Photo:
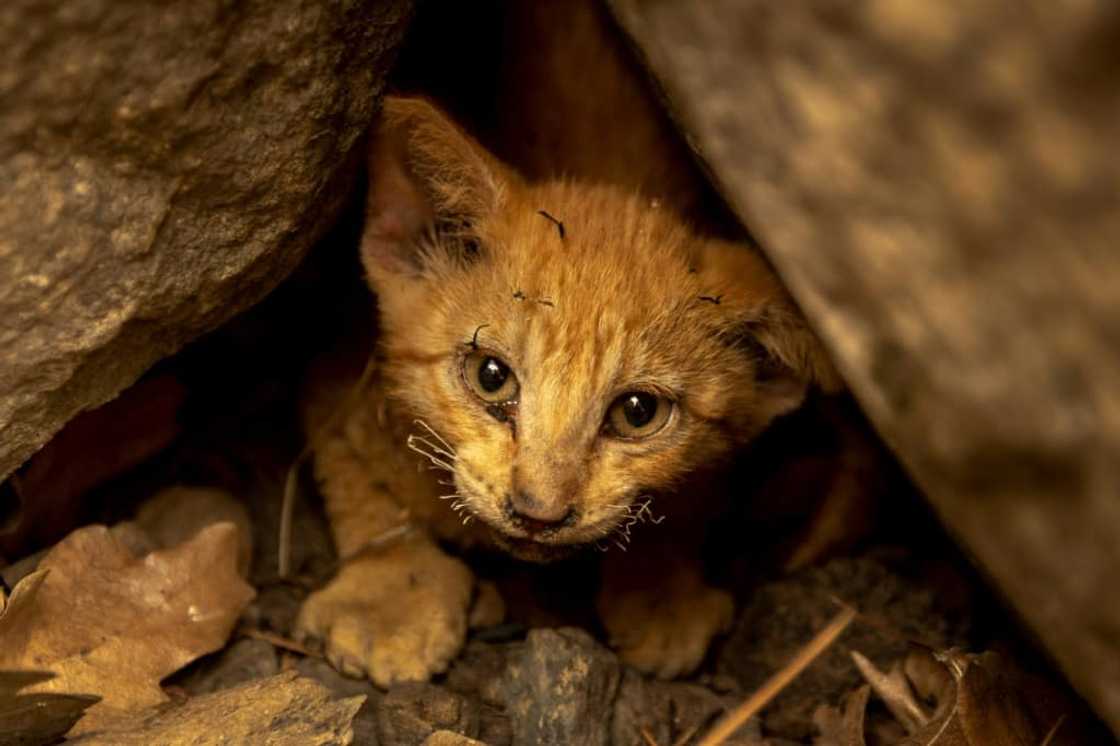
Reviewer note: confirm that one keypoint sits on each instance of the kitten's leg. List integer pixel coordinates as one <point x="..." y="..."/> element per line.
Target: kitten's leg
<point x="659" y="613"/>
<point x="393" y="613"/>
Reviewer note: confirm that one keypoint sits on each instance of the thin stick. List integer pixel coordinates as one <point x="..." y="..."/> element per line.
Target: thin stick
<point x="732" y="721"/>
<point x="648" y="737"/>
<point x="687" y="736"/>
<point x="277" y="641"/>
<point x="1053" y="731"/>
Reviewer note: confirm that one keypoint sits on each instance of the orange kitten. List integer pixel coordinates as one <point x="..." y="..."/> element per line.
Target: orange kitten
<point x="572" y="360"/>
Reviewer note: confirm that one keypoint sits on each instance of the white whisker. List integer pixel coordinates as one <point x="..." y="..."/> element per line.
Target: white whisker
<point x="446" y="446"/>
<point x="434" y="448"/>
<point x="437" y="462"/>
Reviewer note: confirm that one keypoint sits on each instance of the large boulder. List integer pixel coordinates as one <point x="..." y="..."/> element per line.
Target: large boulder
<point x="162" y="166"/>
<point x="937" y="183"/>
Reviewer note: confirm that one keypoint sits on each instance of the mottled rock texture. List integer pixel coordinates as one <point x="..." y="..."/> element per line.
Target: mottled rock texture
<point x="162" y="167"/>
<point x="561" y="689"/>
<point x="937" y="183"/>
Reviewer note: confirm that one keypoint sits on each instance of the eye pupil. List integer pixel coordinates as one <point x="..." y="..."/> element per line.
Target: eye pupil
<point x="639" y="408"/>
<point x="492" y="374"/>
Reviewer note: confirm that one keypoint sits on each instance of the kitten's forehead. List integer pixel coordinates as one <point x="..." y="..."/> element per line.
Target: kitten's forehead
<point x="592" y="304"/>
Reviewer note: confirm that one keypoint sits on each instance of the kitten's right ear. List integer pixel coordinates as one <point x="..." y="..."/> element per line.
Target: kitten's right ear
<point x="425" y="174"/>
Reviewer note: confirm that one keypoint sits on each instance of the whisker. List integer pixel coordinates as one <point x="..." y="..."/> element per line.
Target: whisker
<point x="447" y="446"/>
<point x="437" y="462"/>
<point x="435" y="448"/>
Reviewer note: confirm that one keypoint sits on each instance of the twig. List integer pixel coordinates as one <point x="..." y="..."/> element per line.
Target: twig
<point x="687" y="736"/>
<point x="1053" y="731"/>
<point x="648" y="737"/>
<point x="277" y="641"/>
<point x="731" y="722"/>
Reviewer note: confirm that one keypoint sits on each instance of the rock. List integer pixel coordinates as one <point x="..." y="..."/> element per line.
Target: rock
<point x="666" y="710"/>
<point x="936" y="183"/>
<point x="365" y="721"/>
<point x="561" y="689"/>
<point x="410" y="713"/>
<point x="162" y="167"/>
<point x="240" y="662"/>
<point x="283" y="710"/>
<point x="450" y="738"/>
<point x="477" y="672"/>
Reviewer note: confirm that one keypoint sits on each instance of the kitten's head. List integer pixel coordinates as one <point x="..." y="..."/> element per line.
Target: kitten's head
<point x="577" y="347"/>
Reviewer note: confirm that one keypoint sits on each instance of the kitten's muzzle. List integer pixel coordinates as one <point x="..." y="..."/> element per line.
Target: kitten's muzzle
<point x="536" y="517"/>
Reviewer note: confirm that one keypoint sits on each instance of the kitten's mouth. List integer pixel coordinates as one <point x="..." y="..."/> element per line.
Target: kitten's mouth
<point x="532" y="550"/>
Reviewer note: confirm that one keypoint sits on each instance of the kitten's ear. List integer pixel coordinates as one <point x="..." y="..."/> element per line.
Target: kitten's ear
<point x="424" y="174"/>
<point x="789" y="358"/>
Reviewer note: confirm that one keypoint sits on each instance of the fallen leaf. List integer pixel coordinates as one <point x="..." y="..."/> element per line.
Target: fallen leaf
<point x="988" y="709"/>
<point x="32" y="719"/>
<point x="843" y="726"/>
<point x="981" y="700"/>
<point x="894" y="689"/>
<point x="111" y="624"/>
<point x="278" y="710"/>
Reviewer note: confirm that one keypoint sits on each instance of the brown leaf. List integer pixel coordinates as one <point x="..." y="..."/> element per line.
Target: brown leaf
<point x="279" y="710"/>
<point x="989" y="706"/>
<point x="894" y="689"/>
<point x="31" y="719"/>
<point x="843" y="727"/>
<point x="111" y="624"/>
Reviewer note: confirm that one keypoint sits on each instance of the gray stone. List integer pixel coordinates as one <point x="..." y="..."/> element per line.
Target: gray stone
<point x="937" y="184"/>
<point x="410" y="713"/>
<point x="667" y="711"/>
<point x="162" y="167"/>
<point x="561" y="689"/>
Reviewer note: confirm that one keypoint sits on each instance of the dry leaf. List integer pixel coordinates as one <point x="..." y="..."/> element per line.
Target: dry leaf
<point x="176" y="514"/>
<point x="985" y="710"/>
<point x="843" y="727"/>
<point x="111" y="624"/>
<point x="32" y="719"/>
<point x="279" y="710"/>
<point x="981" y="701"/>
<point x="894" y="689"/>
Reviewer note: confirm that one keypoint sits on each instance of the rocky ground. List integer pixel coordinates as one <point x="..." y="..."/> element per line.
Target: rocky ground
<point x="541" y="676"/>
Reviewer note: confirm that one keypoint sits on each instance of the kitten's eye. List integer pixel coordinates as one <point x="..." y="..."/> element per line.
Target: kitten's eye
<point x="489" y="378"/>
<point x="638" y="414"/>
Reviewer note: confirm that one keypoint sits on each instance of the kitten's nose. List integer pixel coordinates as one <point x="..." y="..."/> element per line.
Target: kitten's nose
<point x="534" y="515"/>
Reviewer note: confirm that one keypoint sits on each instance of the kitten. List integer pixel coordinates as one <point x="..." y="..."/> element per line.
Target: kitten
<point x="574" y="361"/>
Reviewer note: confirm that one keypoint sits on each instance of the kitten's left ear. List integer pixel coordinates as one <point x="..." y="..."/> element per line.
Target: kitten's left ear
<point x="424" y="173"/>
<point x="789" y="359"/>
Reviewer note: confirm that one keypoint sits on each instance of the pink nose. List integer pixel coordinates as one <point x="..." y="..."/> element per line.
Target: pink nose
<point x="534" y="515"/>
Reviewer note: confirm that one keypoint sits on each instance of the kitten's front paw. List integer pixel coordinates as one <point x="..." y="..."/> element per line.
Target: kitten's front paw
<point x="400" y="615"/>
<point x="666" y="633"/>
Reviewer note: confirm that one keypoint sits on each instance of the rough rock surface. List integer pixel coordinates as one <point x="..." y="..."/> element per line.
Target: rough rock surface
<point x="937" y="184"/>
<point x="410" y="713"/>
<point x="561" y="689"/>
<point x="162" y="167"/>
